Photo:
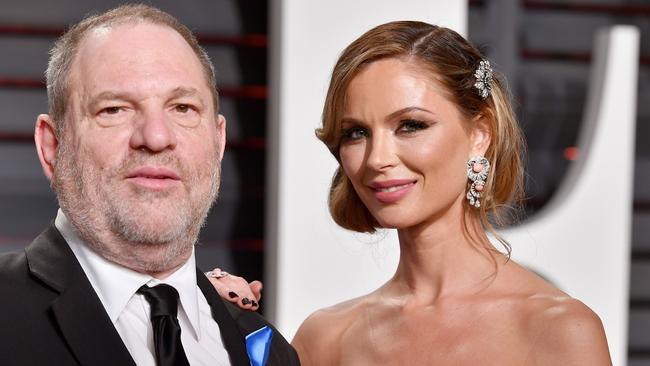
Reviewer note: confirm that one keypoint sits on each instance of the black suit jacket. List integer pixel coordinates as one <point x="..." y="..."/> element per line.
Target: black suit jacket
<point x="51" y="315"/>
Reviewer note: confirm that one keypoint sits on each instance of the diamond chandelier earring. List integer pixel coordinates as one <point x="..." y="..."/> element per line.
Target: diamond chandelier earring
<point x="478" y="168"/>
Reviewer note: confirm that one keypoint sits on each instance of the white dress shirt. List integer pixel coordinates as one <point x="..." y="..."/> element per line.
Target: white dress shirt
<point x="129" y="311"/>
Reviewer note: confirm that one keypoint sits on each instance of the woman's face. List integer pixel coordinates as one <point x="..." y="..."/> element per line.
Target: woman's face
<point x="404" y="145"/>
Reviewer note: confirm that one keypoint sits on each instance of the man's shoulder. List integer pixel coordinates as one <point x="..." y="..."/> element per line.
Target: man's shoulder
<point x="282" y="353"/>
<point x="17" y="282"/>
<point x="22" y="271"/>
<point x="12" y="264"/>
<point x="248" y="321"/>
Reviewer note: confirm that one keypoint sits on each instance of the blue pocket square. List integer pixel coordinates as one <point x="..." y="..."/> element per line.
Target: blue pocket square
<point x="258" y="345"/>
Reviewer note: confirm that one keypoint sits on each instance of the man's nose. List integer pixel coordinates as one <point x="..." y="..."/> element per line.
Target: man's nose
<point x="381" y="152"/>
<point x="153" y="131"/>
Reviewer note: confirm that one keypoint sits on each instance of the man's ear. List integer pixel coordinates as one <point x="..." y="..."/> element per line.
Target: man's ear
<point x="221" y="134"/>
<point x="481" y="135"/>
<point x="46" y="144"/>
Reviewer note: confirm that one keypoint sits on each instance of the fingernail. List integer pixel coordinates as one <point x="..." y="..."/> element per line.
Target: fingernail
<point x="245" y="301"/>
<point x="254" y="303"/>
<point x="232" y="294"/>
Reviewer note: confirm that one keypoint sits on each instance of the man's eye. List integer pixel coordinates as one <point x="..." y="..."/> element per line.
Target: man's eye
<point x="183" y="108"/>
<point x="412" y="125"/>
<point x="111" y="110"/>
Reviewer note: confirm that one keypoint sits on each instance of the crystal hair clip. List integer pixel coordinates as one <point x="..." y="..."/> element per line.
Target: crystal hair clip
<point x="483" y="75"/>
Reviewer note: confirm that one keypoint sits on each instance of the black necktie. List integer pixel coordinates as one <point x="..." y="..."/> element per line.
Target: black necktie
<point x="166" y="330"/>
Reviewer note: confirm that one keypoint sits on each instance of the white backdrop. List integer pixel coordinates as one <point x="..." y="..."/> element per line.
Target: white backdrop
<point x="312" y="263"/>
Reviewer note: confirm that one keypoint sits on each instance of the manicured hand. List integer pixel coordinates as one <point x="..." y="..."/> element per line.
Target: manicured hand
<point x="236" y="289"/>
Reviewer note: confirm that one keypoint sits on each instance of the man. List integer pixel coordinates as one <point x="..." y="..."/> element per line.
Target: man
<point x="132" y="146"/>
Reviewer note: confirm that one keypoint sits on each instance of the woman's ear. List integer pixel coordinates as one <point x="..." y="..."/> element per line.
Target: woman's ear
<point x="46" y="144"/>
<point x="481" y="135"/>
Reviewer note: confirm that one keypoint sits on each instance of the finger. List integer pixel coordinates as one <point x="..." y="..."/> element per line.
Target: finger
<point x="233" y="296"/>
<point x="236" y="289"/>
<point x="249" y="304"/>
<point x="217" y="273"/>
<point x="224" y="290"/>
<point x="239" y="285"/>
<point x="234" y="284"/>
<point x="256" y="288"/>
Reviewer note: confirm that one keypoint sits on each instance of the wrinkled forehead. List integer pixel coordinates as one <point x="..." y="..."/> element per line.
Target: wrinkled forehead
<point x="134" y="42"/>
<point x="135" y="55"/>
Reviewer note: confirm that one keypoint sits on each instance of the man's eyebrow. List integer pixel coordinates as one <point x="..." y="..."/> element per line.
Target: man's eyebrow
<point x="178" y="92"/>
<point x="184" y="92"/>
<point x="187" y="92"/>
<point x="107" y="95"/>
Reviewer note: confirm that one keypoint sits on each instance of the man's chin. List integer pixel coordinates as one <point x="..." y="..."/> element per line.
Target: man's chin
<point x="152" y="233"/>
<point x="153" y="225"/>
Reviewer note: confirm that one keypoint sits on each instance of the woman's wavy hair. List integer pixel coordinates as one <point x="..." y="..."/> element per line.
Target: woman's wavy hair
<point x="452" y="61"/>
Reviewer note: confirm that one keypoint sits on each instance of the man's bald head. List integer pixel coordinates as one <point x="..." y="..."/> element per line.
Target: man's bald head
<point x="63" y="54"/>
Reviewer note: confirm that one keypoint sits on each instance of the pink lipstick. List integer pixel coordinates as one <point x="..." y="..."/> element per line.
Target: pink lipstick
<point x="391" y="191"/>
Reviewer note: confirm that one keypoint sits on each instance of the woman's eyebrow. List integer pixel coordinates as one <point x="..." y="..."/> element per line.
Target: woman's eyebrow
<point x="407" y="110"/>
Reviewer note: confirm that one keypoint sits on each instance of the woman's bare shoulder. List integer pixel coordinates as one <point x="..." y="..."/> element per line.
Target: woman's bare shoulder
<point x="560" y="329"/>
<point x="318" y="337"/>
<point x="565" y="331"/>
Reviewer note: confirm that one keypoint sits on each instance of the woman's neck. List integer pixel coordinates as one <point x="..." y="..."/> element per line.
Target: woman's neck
<point x="442" y="258"/>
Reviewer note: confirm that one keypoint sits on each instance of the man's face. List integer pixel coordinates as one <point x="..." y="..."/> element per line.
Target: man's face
<point x="138" y="167"/>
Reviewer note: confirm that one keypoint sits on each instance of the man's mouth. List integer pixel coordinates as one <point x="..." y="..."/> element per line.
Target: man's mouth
<point x="156" y="178"/>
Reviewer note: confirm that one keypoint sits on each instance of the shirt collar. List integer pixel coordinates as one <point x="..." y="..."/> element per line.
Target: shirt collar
<point x="115" y="284"/>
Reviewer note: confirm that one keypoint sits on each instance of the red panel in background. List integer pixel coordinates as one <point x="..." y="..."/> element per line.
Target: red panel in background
<point x="245" y="40"/>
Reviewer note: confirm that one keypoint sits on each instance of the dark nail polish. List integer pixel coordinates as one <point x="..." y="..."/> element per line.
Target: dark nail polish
<point x="254" y="303"/>
<point x="245" y="301"/>
<point x="232" y="294"/>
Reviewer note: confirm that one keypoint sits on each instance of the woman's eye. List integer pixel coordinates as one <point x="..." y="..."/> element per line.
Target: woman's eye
<point x="354" y="133"/>
<point x="411" y="125"/>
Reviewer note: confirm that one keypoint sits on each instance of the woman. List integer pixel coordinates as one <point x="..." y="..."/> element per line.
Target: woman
<point x="428" y="144"/>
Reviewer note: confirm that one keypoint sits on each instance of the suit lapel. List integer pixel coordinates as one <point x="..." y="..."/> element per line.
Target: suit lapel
<point x="232" y="337"/>
<point x="81" y="317"/>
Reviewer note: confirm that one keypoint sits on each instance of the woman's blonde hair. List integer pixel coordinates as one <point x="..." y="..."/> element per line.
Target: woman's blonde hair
<point x="452" y="61"/>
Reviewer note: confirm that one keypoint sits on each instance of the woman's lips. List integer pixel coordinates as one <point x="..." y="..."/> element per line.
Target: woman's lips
<point x="393" y="190"/>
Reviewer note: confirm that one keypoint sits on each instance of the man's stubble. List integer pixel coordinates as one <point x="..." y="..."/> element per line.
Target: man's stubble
<point x="138" y="228"/>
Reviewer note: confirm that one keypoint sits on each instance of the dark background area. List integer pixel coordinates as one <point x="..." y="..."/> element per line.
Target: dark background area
<point x="544" y="49"/>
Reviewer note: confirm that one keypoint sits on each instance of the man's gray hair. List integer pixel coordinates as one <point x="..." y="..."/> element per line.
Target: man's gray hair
<point x="65" y="49"/>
